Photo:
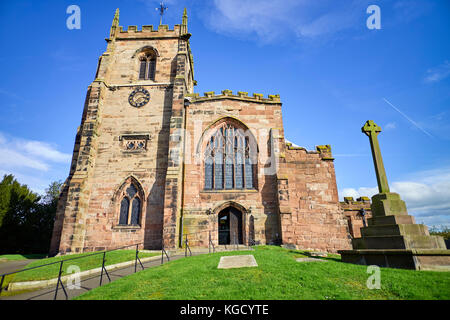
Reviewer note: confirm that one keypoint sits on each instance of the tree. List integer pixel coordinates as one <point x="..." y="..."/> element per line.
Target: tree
<point x="26" y="219"/>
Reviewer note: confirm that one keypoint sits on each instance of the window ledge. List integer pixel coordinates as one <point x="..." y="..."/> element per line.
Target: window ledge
<point x="230" y="191"/>
<point x="126" y="227"/>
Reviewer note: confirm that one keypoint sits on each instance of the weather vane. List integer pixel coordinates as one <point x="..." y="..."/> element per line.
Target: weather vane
<point x="162" y="9"/>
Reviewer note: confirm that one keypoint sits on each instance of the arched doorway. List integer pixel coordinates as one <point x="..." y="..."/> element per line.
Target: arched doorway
<point x="230" y="226"/>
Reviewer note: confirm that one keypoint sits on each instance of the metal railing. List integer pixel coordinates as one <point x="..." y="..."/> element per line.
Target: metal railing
<point x="211" y="244"/>
<point x="234" y="243"/>
<point x="103" y="270"/>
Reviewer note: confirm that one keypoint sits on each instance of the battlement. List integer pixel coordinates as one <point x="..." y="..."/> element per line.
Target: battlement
<point x="148" y="32"/>
<point x="291" y="146"/>
<point x="324" y="151"/>
<point x="350" y="200"/>
<point x="352" y="211"/>
<point x="241" y="95"/>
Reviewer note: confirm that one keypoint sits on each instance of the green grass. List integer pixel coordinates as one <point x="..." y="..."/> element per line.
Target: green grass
<point x="278" y="276"/>
<point x="13" y="257"/>
<point x="86" y="263"/>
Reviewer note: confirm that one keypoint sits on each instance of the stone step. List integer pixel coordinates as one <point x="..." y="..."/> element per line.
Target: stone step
<point x="395" y="230"/>
<point x="399" y="242"/>
<point x="389" y="220"/>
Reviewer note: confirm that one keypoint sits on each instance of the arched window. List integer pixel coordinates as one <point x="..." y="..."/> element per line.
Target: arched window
<point x="230" y="159"/>
<point x="130" y="205"/>
<point x="147" y="67"/>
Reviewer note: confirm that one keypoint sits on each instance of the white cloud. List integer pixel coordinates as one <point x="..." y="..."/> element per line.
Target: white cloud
<point x="438" y="73"/>
<point x="34" y="163"/>
<point x="13" y="159"/>
<point x="360" y="192"/>
<point x="271" y="20"/>
<point x="427" y="195"/>
<point x="390" y="126"/>
<point x="17" y="152"/>
<point x="46" y="151"/>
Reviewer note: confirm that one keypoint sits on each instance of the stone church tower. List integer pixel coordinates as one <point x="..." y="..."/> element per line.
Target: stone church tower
<point x="154" y="161"/>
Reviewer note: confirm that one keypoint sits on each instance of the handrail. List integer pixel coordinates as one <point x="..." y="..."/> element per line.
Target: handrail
<point x="85" y="256"/>
<point x="59" y="282"/>
<point x="61" y="262"/>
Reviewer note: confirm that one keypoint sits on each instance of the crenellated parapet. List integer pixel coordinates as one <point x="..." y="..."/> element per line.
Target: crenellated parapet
<point x="359" y="203"/>
<point x="324" y="151"/>
<point x="352" y="211"/>
<point x="133" y="32"/>
<point x="241" y="95"/>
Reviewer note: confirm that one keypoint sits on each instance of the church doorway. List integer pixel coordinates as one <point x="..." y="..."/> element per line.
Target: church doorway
<point x="230" y="226"/>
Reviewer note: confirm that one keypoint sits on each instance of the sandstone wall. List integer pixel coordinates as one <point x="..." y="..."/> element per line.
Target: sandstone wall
<point x="352" y="213"/>
<point x="311" y="218"/>
<point x="88" y="212"/>
<point x="259" y="206"/>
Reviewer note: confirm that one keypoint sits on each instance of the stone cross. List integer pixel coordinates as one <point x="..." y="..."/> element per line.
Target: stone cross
<point x="372" y="130"/>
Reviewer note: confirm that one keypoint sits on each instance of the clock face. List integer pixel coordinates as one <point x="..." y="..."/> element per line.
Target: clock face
<point x="139" y="97"/>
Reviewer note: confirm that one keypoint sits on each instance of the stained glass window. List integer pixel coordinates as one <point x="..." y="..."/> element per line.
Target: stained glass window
<point x="124" y="207"/>
<point x="135" y="209"/>
<point x="130" y="214"/>
<point x="230" y="159"/>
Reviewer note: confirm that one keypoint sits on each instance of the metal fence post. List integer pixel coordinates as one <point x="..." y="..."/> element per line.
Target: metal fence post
<point x="104" y="269"/>
<point x="135" y="259"/>
<point x="59" y="281"/>
<point x="185" y="245"/>
<point x="1" y="284"/>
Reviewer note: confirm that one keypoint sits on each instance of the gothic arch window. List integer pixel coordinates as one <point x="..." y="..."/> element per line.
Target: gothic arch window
<point x="130" y="198"/>
<point x="230" y="158"/>
<point x="147" y="65"/>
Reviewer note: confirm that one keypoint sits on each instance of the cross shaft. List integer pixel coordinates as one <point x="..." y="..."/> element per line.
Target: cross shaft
<point x="371" y="129"/>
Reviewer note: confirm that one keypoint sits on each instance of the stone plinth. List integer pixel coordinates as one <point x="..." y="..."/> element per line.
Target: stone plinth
<point x="392" y="239"/>
<point x="418" y="259"/>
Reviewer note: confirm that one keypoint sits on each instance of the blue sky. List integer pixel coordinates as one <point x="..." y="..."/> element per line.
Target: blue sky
<point x="331" y="71"/>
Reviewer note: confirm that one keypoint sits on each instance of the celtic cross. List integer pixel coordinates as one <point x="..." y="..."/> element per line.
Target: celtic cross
<point x="371" y="129"/>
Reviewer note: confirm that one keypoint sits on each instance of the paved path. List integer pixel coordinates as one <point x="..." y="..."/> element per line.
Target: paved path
<point x="11" y="266"/>
<point x="94" y="280"/>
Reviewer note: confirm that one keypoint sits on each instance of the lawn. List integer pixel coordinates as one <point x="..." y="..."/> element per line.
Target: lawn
<point x="88" y="262"/>
<point x="278" y="276"/>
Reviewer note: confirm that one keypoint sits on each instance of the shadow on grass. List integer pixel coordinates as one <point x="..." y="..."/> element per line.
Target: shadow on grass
<point x="312" y="254"/>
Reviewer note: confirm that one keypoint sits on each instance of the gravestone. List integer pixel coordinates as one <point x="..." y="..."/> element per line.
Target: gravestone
<point x="241" y="261"/>
<point x="392" y="238"/>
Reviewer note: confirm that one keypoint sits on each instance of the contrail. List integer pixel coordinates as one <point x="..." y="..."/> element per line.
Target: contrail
<point x="409" y="119"/>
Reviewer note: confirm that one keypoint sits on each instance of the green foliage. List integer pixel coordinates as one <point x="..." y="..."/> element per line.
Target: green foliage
<point x="442" y="231"/>
<point x="26" y="219"/>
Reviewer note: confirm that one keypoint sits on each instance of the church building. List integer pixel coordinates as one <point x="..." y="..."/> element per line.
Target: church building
<point x="154" y="161"/>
